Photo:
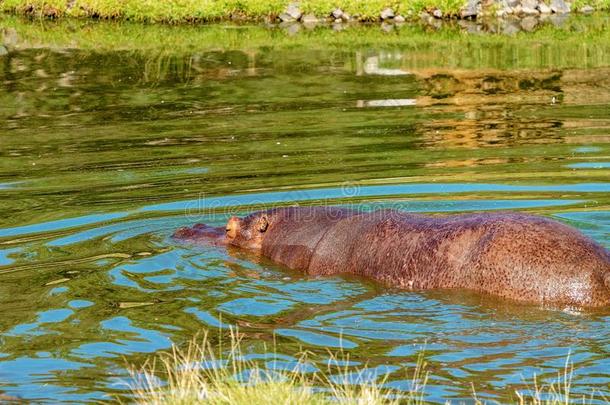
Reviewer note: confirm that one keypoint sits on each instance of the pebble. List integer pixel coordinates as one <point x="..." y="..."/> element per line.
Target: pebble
<point x="470" y="11"/>
<point x="544" y="9"/>
<point x="399" y="19"/>
<point x="529" y="11"/>
<point x="437" y="13"/>
<point x="337" y="13"/>
<point x="529" y="4"/>
<point x="387" y="14"/>
<point x="285" y="17"/>
<point x="294" y="11"/>
<point x="309" y="19"/>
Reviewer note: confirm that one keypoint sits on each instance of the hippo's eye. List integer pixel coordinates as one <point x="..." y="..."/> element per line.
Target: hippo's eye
<point x="263" y="224"/>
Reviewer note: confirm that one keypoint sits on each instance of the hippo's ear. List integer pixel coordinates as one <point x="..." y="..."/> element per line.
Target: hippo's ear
<point x="263" y="223"/>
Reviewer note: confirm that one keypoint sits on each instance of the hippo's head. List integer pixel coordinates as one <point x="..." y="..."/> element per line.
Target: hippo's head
<point x="248" y="232"/>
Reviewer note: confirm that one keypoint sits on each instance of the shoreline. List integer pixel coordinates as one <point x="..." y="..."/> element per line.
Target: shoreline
<point x="312" y="12"/>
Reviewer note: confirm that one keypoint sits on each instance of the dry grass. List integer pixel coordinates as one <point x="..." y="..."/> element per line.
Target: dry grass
<point x="221" y="375"/>
<point x="204" y="374"/>
<point x="557" y="392"/>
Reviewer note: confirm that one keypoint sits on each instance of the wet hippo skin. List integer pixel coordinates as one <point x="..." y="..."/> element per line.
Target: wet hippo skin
<point x="517" y="256"/>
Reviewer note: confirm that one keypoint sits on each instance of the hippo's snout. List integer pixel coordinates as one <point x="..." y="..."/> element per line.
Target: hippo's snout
<point x="233" y="227"/>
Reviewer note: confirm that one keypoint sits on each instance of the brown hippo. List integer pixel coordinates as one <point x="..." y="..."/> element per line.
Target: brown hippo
<point x="512" y="255"/>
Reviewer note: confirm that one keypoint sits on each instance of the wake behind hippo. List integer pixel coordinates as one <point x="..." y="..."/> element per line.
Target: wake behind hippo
<point x="516" y="256"/>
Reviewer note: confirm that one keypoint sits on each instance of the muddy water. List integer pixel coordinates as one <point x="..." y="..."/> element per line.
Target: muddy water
<point x="105" y="153"/>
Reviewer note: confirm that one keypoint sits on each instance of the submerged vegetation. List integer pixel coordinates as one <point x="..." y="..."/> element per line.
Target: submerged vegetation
<point x="225" y="375"/>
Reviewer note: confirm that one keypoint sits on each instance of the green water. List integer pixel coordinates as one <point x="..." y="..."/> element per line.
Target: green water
<point x="105" y="152"/>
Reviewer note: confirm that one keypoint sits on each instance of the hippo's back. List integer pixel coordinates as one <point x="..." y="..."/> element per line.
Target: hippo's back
<point x="518" y="256"/>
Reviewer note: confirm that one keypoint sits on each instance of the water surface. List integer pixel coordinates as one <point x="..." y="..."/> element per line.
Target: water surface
<point x="104" y="153"/>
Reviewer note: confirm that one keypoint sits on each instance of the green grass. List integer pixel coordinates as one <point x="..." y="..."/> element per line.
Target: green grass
<point x="582" y="39"/>
<point x="182" y="11"/>
<point x="186" y="382"/>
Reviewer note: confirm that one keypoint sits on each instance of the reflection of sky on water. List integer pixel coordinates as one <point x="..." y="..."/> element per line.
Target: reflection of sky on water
<point x="371" y="191"/>
<point x="590" y="165"/>
<point x="206" y="288"/>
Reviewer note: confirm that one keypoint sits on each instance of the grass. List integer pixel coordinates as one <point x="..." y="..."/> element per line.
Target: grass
<point x="219" y="375"/>
<point x="184" y="11"/>
<point x="581" y="42"/>
<point x="203" y="373"/>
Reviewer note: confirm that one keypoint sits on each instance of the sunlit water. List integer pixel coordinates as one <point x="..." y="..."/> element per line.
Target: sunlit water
<point x="105" y="154"/>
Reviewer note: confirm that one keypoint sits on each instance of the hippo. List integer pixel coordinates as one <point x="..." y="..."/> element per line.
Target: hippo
<point x="512" y="255"/>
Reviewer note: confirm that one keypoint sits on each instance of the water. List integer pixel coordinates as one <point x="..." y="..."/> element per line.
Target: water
<point x="106" y="152"/>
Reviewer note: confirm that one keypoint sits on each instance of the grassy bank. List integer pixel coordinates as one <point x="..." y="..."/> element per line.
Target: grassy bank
<point x="448" y="46"/>
<point x="225" y="374"/>
<point x="184" y="11"/>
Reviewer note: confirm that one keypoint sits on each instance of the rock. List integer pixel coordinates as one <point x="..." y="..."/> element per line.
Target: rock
<point x="529" y="11"/>
<point x="3" y="50"/>
<point x="426" y="18"/>
<point x="517" y="9"/>
<point x="560" y="6"/>
<point x="285" y="18"/>
<point x="512" y="3"/>
<point x="511" y="28"/>
<point x="544" y="9"/>
<point x="309" y="19"/>
<point x="528" y="24"/>
<point x="437" y="13"/>
<point x="294" y="11"/>
<point x="470" y="11"/>
<point x="338" y="21"/>
<point x="399" y="19"/>
<point x="530" y="4"/>
<point x="387" y="14"/>
<point x="337" y="13"/>
<point x="586" y="9"/>
<point x="345" y="17"/>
